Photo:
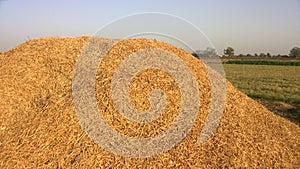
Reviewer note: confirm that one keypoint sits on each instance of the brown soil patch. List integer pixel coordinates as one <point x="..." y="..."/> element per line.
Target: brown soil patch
<point x="39" y="127"/>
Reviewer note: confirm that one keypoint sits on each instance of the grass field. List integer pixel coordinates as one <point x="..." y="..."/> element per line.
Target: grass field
<point x="271" y="85"/>
<point x="271" y="82"/>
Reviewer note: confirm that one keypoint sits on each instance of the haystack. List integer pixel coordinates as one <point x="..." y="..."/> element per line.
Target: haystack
<point x="39" y="127"/>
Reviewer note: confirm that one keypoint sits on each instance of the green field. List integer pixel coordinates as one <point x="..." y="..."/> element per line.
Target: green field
<point x="271" y="82"/>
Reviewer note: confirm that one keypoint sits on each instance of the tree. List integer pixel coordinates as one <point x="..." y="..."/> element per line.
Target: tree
<point x="229" y="51"/>
<point x="262" y="55"/>
<point x="211" y="52"/>
<point x="208" y="52"/>
<point x="295" y="52"/>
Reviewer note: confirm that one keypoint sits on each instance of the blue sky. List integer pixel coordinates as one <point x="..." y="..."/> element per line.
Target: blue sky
<point x="251" y="26"/>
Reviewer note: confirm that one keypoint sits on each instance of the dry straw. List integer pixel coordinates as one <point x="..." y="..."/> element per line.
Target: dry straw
<point x="39" y="127"/>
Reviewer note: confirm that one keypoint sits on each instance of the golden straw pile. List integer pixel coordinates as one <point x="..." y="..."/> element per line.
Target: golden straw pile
<point x="39" y="127"/>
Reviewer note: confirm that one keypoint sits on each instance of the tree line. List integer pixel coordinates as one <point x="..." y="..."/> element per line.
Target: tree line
<point x="229" y="52"/>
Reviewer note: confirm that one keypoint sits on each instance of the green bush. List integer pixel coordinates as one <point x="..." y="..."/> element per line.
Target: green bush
<point x="262" y="62"/>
